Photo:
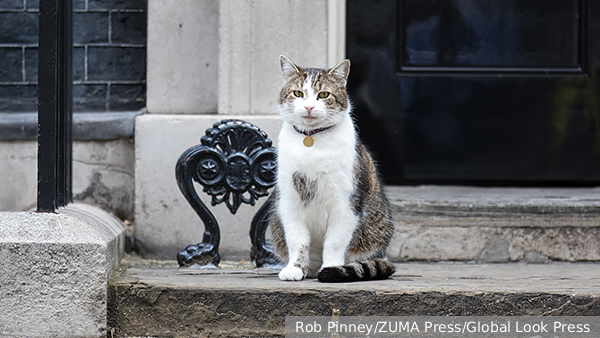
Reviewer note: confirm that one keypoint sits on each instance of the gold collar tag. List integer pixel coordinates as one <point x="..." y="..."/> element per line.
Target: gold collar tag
<point x="308" y="141"/>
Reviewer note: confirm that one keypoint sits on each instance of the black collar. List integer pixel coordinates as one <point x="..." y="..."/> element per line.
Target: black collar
<point x="312" y="132"/>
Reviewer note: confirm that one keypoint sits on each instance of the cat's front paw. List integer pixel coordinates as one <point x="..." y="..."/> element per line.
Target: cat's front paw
<point x="291" y="273"/>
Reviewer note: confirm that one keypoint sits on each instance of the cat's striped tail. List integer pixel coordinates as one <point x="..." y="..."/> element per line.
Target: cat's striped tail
<point x="357" y="271"/>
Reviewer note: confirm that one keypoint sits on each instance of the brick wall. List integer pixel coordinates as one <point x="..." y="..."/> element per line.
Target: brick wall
<point x="109" y="55"/>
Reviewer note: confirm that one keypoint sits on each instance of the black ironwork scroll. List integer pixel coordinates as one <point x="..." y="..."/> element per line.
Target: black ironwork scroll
<point x="235" y="163"/>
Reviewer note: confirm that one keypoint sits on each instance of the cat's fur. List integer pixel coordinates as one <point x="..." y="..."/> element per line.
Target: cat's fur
<point x="329" y="206"/>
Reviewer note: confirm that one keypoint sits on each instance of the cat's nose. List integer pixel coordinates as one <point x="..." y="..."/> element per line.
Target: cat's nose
<point x="309" y="109"/>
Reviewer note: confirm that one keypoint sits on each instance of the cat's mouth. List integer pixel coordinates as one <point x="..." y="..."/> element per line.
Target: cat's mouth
<point x="309" y="120"/>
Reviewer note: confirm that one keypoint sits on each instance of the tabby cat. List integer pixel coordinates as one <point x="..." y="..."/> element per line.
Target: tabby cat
<point x="331" y="218"/>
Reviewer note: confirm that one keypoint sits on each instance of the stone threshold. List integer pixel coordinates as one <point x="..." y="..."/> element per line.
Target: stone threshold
<point x="159" y="299"/>
<point x="494" y="202"/>
<point x="495" y="225"/>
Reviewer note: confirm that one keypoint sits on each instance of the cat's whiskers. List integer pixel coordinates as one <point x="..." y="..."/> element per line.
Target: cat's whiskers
<point x="273" y="110"/>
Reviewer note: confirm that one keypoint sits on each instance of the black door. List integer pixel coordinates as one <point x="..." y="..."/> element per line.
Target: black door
<point x="478" y="91"/>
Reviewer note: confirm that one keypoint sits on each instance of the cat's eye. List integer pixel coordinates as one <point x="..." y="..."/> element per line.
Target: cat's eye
<point x="323" y="95"/>
<point x="298" y="93"/>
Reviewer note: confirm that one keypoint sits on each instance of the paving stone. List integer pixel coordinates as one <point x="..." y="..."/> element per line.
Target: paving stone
<point x="155" y="298"/>
<point x="128" y="27"/>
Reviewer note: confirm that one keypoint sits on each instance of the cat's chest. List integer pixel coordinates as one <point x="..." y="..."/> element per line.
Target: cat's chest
<point x="331" y="153"/>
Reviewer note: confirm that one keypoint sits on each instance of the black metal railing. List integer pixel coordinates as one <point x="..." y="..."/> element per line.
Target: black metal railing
<point x="55" y="100"/>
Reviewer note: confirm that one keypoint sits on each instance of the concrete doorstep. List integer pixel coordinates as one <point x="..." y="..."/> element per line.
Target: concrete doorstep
<point x="159" y="299"/>
<point x="447" y="244"/>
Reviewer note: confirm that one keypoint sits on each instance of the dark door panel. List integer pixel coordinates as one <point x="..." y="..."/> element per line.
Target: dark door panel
<point x="504" y="34"/>
<point x="478" y="91"/>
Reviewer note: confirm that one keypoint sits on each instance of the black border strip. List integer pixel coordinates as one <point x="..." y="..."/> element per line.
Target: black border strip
<point x="580" y="71"/>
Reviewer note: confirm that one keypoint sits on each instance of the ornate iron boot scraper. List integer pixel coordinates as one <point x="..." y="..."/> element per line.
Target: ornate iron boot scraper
<point x="235" y="163"/>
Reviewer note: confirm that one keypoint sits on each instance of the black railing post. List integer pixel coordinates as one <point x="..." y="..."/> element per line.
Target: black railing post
<point x="55" y="99"/>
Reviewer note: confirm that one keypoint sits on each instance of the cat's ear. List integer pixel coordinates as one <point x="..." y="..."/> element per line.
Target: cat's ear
<point x="288" y="68"/>
<point x="341" y="70"/>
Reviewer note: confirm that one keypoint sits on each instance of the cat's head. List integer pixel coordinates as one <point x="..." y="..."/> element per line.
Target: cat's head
<point x="312" y="98"/>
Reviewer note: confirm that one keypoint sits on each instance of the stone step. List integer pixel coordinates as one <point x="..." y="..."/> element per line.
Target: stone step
<point x="483" y="224"/>
<point x="158" y="299"/>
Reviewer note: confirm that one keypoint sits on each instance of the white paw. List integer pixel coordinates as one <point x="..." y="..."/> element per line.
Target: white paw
<point x="291" y="273"/>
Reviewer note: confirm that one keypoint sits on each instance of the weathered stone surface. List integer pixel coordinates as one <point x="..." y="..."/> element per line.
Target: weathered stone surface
<point x="167" y="301"/>
<point x="54" y="271"/>
<point x="495" y="224"/>
<point x="104" y="126"/>
<point x="460" y="201"/>
<point x="102" y="175"/>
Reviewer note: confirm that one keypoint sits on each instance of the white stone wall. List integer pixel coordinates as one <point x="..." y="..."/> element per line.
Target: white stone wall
<point x="243" y="40"/>
<point x="183" y="50"/>
<point x="252" y="36"/>
<point x="208" y="56"/>
<point x="18" y="175"/>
